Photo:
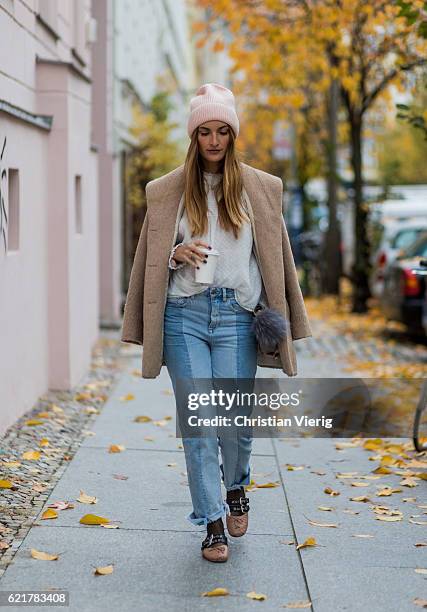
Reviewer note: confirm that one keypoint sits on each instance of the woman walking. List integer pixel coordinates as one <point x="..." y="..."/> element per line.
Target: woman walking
<point x="208" y="326"/>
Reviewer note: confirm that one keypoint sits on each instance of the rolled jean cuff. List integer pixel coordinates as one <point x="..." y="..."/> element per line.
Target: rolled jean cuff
<point x="204" y="521"/>
<point x="243" y="483"/>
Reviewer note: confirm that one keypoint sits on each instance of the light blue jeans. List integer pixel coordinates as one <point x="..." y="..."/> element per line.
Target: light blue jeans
<point x="208" y="335"/>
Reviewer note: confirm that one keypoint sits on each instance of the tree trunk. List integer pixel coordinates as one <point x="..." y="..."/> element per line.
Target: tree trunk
<point x="361" y="266"/>
<point x="332" y="271"/>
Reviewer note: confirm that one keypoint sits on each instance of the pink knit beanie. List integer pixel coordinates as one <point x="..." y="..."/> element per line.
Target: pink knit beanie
<point x="212" y="102"/>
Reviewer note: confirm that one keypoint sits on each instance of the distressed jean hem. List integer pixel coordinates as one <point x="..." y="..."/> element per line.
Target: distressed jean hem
<point x="213" y="517"/>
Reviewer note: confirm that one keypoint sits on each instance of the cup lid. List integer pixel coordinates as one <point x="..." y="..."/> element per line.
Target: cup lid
<point x="209" y="251"/>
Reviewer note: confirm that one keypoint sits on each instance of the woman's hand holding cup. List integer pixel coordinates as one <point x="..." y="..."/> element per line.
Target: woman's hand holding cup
<point x="190" y="253"/>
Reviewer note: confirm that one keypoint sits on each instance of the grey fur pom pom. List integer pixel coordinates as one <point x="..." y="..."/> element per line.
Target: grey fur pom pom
<point x="269" y="327"/>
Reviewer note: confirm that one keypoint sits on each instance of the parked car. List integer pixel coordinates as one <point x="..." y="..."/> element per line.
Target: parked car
<point x="403" y="295"/>
<point x="421" y="270"/>
<point x="394" y="237"/>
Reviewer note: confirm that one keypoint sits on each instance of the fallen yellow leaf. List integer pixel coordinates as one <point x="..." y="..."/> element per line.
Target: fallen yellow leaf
<point x="409" y="482"/>
<point x="91" y="410"/>
<point x="321" y="524"/>
<point x="382" y="470"/>
<point x="86" y="499"/>
<point x="127" y="398"/>
<point x="49" y="514"/>
<point x="81" y="397"/>
<point x="93" y="519"/>
<point x="330" y="491"/>
<point x="343" y="445"/>
<point x="61" y="505"/>
<point x="218" y="591"/>
<point x="257" y="596"/>
<point x="373" y="444"/>
<point x="6" y="484"/>
<point x="388" y="460"/>
<point x="33" y="422"/>
<point x="267" y="485"/>
<point x="308" y="542"/>
<point x="43" y="556"/>
<point x="142" y="419"/>
<point x="387" y="491"/>
<point x="31" y="455"/>
<point x="395" y="448"/>
<point x="116" y="448"/>
<point x="44" y="442"/>
<point x="103" y="571"/>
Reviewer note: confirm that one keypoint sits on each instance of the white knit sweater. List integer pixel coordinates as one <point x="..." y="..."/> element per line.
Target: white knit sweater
<point x="237" y="267"/>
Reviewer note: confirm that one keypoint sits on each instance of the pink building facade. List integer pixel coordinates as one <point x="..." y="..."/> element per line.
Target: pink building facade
<point x="49" y="260"/>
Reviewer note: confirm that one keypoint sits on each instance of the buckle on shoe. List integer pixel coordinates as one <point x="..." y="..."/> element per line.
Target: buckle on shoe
<point x="241" y="504"/>
<point x="214" y="539"/>
<point x="244" y="504"/>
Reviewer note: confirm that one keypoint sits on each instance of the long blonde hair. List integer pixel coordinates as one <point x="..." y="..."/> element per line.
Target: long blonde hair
<point x="228" y="191"/>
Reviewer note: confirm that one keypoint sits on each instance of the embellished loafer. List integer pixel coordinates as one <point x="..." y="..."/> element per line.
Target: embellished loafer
<point x="215" y="548"/>
<point x="237" y="524"/>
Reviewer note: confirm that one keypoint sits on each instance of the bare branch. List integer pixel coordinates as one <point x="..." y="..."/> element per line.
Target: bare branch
<point x="371" y="96"/>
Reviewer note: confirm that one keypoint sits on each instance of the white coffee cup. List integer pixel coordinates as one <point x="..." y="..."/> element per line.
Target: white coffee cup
<point x="206" y="272"/>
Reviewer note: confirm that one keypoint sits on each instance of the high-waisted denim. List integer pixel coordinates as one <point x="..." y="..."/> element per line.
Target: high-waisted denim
<point x="208" y="335"/>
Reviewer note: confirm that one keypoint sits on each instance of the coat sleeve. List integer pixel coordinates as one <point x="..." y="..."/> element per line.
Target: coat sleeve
<point x="132" y="328"/>
<point x="300" y="325"/>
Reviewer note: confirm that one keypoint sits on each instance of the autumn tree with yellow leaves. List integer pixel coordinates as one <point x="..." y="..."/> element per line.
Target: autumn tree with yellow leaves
<point x="288" y="50"/>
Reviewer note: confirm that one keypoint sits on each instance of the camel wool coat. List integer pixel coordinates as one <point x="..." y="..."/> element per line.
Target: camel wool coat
<point x="149" y="279"/>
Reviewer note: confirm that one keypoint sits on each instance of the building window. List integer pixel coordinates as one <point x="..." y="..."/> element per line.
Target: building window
<point x="78" y="203"/>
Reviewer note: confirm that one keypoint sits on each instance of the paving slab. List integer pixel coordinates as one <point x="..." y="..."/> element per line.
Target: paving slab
<point x="155" y="569"/>
<point x="346" y="588"/>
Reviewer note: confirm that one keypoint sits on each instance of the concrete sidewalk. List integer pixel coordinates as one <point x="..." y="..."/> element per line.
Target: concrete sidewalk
<point x="156" y="551"/>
